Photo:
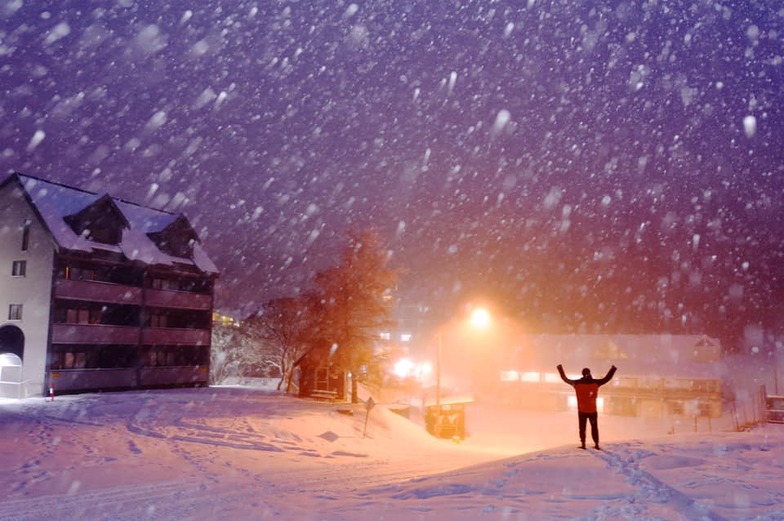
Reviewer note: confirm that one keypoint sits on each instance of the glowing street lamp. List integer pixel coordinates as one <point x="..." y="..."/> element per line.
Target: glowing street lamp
<point x="480" y="318"/>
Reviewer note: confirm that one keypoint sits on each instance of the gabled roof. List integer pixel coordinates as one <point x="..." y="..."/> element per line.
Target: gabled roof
<point x="177" y="238"/>
<point x="54" y="202"/>
<point x="103" y="213"/>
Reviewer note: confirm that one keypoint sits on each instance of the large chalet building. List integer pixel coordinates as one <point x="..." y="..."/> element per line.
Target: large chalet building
<point x="97" y="293"/>
<point x="659" y="376"/>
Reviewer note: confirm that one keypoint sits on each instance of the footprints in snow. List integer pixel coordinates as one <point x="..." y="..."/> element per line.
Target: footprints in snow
<point x="625" y="459"/>
<point x="238" y="434"/>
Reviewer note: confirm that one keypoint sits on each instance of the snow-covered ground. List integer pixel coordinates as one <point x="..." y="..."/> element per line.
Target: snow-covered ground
<point x="241" y="453"/>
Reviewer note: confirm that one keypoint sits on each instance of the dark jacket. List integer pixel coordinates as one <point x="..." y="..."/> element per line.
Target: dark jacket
<point x="586" y="388"/>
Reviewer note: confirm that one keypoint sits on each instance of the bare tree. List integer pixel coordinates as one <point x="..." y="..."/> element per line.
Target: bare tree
<point x="225" y="352"/>
<point x="279" y="328"/>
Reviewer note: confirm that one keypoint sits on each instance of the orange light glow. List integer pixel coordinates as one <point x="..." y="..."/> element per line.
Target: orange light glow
<point x="480" y="318"/>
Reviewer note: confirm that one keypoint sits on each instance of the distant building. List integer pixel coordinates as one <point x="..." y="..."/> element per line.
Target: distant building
<point x="98" y="293"/>
<point x="658" y="375"/>
<point x="224" y="320"/>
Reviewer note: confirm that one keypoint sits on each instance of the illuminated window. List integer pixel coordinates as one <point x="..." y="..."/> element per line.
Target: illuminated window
<point x="19" y="268"/>
<point x="385" y="336"/>
<point x="509" y="376"/>
<point x="529" y="376"/>
<point x="76" y="273"/>
<point x="405" y="337"/>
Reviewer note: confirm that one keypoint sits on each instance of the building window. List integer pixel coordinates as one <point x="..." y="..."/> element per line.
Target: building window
<point x="530" y="376"/>
<point x="510" y="376"/>
<point x="15" y="312"/>
<point x="19" y="268"/>
<point x="26" y="235"/>
<point x="169" y="284"/>
<point x="159" y="320"/>
<point x="704" y="409"/>
<point x="676" y="408"/>
<point x="167" y="357"/>
<point x="75" y="360"/>
<point x="705" y="386"/>
<point x="82" y="316"/>
<point x="76" y="273"/>
<point x="85" y="315"/>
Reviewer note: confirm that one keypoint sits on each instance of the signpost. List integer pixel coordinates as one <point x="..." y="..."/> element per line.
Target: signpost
<point x="369" y="404"/>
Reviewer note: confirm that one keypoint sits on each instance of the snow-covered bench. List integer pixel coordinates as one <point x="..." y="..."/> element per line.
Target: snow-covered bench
<point x="328" y="396"/>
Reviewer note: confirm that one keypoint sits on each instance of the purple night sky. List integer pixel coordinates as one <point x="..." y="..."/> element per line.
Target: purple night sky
<point x="595" y="166"/>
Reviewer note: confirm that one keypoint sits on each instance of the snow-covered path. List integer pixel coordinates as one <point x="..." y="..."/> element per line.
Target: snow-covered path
<point x="225" y="453"/>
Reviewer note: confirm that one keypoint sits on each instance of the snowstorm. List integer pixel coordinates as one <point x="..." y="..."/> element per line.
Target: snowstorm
<point x="632" y="153"/>
<point x="603" y="180"/>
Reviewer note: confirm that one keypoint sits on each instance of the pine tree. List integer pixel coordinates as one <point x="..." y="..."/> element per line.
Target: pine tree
<point x="354" y="304"/>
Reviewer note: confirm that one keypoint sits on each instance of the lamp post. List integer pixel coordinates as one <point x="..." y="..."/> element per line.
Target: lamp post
<point x="452" y="421"/>
<point x="479" y="319"/>
<point x="438" y="370"/>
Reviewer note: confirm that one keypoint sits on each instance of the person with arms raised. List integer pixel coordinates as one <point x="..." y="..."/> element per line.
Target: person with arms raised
<point x="587" y="390"/>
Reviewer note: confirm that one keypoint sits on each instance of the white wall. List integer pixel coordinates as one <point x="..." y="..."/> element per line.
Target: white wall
<point x="32" y="291"/>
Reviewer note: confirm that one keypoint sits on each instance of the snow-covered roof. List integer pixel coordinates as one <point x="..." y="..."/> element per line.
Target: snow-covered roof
<point x="54" y="202"/>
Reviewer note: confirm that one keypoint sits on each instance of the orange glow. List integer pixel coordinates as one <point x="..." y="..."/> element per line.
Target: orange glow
<point x="480" y="318"/>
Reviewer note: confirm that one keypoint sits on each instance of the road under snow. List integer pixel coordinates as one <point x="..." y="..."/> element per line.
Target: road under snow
<point x="232" y="453"/>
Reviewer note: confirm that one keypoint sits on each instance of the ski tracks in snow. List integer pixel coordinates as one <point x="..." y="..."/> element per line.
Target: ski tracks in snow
<point x="181" y="499"/>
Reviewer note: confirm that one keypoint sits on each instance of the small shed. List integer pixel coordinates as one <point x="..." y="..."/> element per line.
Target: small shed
<point x="774" y="405"/>
<point x="318" y="376"/>
<point x="447" y="418"/>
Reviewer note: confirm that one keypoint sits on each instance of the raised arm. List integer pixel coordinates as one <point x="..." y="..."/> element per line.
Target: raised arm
<point x="563" y="375"/>
<point x="608" y="376"/>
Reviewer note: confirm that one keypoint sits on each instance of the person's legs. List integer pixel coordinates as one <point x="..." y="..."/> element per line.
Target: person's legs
<point x="582" y="419"/>
<point x="594" y="419"/>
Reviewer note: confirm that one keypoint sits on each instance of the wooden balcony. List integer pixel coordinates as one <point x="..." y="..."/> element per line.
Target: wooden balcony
<point x="177" y="299"/>
<point x="93" y="291"/>
<point x="183" y="375"/>
<point x="176" y="336"/>
<point x="86" y="379"/>
<point x="98" y="334"/>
